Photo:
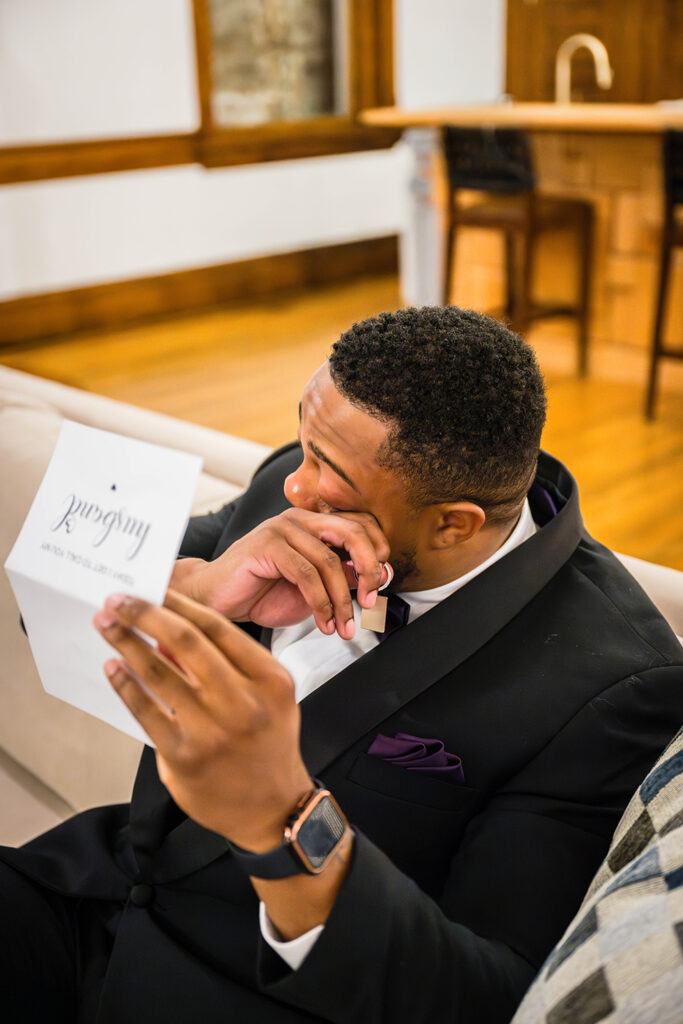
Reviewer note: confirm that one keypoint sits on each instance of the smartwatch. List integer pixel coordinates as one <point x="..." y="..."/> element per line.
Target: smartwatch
<point x="311" y="836"/>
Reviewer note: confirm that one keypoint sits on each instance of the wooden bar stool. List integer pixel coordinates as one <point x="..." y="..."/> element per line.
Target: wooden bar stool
<point x="498" y="162"/>
<point x="672" y="237"/>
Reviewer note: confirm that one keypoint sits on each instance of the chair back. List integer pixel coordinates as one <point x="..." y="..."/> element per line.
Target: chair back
<point x="489" y="159"/>
<point x="672" y="147"/>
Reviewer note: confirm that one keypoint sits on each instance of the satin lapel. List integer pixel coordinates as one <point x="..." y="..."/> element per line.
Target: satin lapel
<point x="354" y="702"/>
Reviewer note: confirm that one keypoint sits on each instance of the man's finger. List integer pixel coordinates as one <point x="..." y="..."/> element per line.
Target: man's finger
<point x="161" y="727"/>
<point x="369" y="525"/>
<point x="358" y="534"/>
<point x="317" y="572"/>
<point x="386" y="575"/>
<point x="206" y="645"/>
<point x="200" y="661"/>
<point x="250" y="658"/>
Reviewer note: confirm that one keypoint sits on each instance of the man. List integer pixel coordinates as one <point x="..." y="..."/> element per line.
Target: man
<point x="480" y="755"/>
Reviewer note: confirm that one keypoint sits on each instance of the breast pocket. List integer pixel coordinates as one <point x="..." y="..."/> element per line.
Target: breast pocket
<point x="413" y="786"/>
<point x="417" y="819"/>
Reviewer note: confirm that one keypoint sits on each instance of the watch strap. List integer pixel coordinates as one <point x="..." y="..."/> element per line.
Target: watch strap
<point x="282" y="862"/>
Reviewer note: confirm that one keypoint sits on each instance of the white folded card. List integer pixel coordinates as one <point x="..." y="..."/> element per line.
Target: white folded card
<point x="109" y="517"/>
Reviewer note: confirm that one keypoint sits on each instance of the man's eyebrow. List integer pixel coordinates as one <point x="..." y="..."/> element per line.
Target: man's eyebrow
<point x="333" y="465"/>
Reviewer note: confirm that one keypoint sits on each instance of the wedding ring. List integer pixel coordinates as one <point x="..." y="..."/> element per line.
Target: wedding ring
<point x="385" y="565"/>
<point x="389" y="578"/>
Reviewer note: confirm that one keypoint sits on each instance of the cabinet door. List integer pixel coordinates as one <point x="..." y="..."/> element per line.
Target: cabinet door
<point x="644" y="40"/>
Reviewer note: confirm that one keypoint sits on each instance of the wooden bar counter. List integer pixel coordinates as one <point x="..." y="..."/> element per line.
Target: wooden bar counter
<point x="639" y="118"/>
<point x="609" y="153"/>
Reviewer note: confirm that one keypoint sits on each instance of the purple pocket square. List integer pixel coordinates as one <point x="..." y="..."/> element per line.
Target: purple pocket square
<point x="419" y="755"/>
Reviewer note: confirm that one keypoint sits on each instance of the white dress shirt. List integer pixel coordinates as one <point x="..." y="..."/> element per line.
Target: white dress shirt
<point x="311" y="658"/>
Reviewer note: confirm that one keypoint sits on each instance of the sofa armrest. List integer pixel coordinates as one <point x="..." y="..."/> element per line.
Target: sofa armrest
<point x="230" y="458"/>
<point x="663" y="585"/>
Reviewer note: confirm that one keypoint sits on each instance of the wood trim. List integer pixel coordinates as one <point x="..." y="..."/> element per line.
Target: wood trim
<point x="385" y="68"/>
<point x="38" y="317"/>
<point x="241" y="146"/>
<point x="202" y="38"/>
<point x="362" y="52"/>
<point x="322" y="137"/>
<point x="96" y="156"/>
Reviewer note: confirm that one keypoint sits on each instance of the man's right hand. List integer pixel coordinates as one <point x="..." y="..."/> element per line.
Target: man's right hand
<point x="287" y="569"/>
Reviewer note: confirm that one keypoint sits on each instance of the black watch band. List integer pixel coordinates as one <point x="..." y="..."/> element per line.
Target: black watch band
<point x="311" y="836"/>
<point x="281" y="862"/>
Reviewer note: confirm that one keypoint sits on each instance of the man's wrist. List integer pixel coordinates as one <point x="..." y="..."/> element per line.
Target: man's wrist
<point x="186" y="578"/>
<point x="307" y="843"/>
<point x="296" y="905"/>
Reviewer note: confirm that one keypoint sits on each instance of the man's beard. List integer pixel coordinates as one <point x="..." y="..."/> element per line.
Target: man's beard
<point x="404" y="565"/>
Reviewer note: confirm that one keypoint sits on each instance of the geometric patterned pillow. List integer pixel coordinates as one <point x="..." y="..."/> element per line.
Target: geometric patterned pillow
<point x="621" y="958"/>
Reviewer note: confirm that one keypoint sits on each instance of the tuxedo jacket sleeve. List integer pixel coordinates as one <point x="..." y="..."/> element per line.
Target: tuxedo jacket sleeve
<point x="457" y="894"/>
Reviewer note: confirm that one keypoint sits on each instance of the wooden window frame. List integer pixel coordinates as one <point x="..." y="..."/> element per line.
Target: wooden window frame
<point x="371" y="84"/>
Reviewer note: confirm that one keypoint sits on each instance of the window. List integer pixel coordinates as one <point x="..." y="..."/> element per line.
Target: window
<point x="280" y="79"/>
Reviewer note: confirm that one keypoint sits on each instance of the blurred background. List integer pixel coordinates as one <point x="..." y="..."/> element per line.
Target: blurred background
<point x="192" y="209"/>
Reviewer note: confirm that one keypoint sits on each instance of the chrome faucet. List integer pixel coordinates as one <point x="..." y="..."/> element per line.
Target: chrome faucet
<point x="603" y="72"/>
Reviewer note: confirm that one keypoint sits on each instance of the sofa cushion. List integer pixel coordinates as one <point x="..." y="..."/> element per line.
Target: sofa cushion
<point x="212" y="493"/>
<point x="621" y="958"/>
<point x="28" y="435"/>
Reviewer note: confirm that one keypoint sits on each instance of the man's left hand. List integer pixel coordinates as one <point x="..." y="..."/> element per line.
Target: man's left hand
<point x="220" y="710"/>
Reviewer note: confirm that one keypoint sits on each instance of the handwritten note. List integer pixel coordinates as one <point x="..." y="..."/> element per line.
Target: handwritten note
<point x="108" y="517"/>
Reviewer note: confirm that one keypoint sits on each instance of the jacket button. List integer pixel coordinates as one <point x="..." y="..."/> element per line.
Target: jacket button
<point x="142" y="895"/>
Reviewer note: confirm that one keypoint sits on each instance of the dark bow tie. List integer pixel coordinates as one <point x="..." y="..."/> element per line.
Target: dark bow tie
<point x="398" y="613"/>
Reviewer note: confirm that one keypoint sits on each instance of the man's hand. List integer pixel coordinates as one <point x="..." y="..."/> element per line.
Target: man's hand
<point x="288" y="567"/>
<point x="223" y="717"/>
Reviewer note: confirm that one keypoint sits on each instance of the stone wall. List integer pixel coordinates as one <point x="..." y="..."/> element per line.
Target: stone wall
<point x="272" y="60"/>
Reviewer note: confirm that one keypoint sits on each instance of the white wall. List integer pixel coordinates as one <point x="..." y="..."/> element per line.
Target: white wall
<point x="449" y="51"/>
<point x="79" y="231"/>
<point x="74" y="69"/>
<point x="88" y="68"/>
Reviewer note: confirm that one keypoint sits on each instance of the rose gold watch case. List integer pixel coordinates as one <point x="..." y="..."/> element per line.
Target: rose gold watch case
<point x="304" y="810"/>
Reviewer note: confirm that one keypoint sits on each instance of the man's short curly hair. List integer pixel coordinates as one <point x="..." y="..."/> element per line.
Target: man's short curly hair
<point x="462" y="397"/>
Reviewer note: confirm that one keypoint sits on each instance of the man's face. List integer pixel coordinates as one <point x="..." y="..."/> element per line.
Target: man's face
<point x="340" y="472"/>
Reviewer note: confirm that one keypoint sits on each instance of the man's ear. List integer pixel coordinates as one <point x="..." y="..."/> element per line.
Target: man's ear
<point x="454" y="523"/>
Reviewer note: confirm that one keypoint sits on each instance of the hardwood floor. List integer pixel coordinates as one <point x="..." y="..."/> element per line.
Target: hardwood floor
<point x="242" y="369"/>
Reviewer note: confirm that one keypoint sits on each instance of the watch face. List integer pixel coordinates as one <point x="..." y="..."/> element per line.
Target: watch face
<point x="319" y="832"/>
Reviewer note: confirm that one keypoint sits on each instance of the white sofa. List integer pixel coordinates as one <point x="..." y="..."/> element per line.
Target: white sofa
<point x="80" y="758"/>
<point x="83" y="760"/>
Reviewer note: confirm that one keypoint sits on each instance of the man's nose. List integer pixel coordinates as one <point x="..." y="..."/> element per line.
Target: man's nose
<point x="300" y="489"/>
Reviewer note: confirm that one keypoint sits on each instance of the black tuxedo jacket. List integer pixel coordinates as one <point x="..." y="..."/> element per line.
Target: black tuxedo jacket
<point x="555" y="680"/>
